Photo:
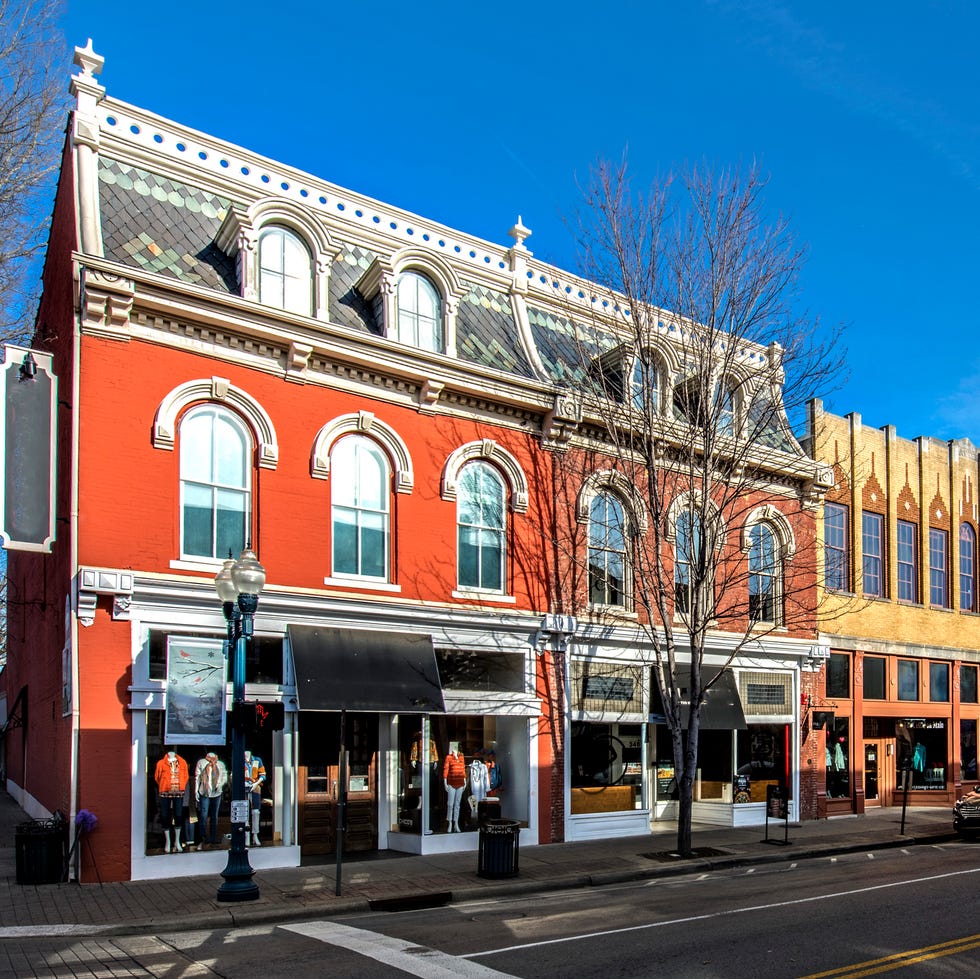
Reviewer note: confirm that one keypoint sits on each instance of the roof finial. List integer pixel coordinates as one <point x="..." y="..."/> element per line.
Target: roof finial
<point x="86" y="59"/>
<point x="519" y="233"/>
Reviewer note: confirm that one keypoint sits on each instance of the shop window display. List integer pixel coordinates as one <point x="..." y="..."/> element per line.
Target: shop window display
<point x="606" y="767"/>
<point x="968" y="749"/>
<point x="263" y="660"/>
<point x="761" y="757"/>
<point x="922" y="751"/>
<point x="837" y="753"/>
<point x="188" y="792"/>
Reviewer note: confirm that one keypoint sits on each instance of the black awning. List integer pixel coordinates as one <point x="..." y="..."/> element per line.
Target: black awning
<point x="359" y="670"/>
<point x="722" y="707"/>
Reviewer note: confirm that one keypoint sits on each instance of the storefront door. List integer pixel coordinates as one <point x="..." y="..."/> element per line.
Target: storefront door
<point x="872" y="752"/>
<point x="319" y="782"/>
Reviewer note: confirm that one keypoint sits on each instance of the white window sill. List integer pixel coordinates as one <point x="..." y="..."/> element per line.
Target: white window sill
<point x="207" y="565"/>
<point x="369" y="583"/>
<point x="619" y="610"/>
<point x="475" y="595"/>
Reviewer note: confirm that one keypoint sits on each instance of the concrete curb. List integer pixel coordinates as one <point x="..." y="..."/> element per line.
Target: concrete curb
<point x="250" y="915"/>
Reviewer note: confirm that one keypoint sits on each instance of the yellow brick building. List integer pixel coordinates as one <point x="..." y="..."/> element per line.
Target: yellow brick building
<point x="897" y="699"/>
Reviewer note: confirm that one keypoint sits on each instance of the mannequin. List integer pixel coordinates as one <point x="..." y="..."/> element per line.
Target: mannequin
<point x="254" y="777"/>
<point x="454" y="778"/>
<point x="171" y="777"/>
<point x="210" y="778"/>
<point x="479" y="782"/>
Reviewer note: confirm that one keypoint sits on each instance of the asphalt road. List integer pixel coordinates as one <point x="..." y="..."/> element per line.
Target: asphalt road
<point x="910" y="912"/>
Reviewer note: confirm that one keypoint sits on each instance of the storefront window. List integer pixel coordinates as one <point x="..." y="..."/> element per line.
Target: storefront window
<point x="839" y="675"/>
<point x="908" y="680"/>
<point x="939" y="682"/>
<point x="874" y="678"/>
<point x="177" y="785"/>
<point x="762" y="760"/>
<point x="924" y="743"/>
<point x="606" y="767"/>
<point x="458" y="795"/>
<point x="263" y="657"/>
<point x="838" y="752"/>
<point x="968" y="684"/>
<point x="968" y="749"/>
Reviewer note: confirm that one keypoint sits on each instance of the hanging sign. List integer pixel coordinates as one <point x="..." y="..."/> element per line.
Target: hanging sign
<point x="27" y="444"/>
<point x="196" y="676"/>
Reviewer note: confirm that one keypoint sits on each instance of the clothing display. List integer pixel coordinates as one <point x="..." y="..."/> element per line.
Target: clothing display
<point x="454" y="769"/>
<point x="416" y="755"/>
<point x="479" y="781"/>
<point x="454" y="777"/>
<point x="254" y="778"/>
<point x="210" y="777"/>
<point x="171" y="776"/>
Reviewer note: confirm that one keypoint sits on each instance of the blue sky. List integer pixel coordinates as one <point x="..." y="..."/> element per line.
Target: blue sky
<point x="865" y="116"/>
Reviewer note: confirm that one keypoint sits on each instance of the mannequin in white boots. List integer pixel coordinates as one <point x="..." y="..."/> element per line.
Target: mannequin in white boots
<point x="171" y="776"/>
<point x="454" y="778"/>
<point x="254" y="779"/>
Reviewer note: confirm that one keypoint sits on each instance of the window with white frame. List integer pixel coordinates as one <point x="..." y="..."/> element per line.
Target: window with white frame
<point x="608" y="560"/>
<point x="725" y="405"/>
<point x="938" y="568"/>
<point x="764" y="574"/>
<point x="872" y="561"/>
<point x="215" y="482"/>
<point x="360" y="508"/>
<point x="968" y="568"/>
<point x="836" y="550"/>
<point x="285" y="271"/>
<point x="647" y="383"/>
<point x="481" y="527"/>
<point x="907" y="560"/>
<point x="418" y="312"/>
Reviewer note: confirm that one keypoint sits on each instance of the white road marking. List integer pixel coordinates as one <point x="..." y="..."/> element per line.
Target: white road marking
<point x="723" y="914"/>
<point x="407" y="956"/>
<point x="870" y="856"/>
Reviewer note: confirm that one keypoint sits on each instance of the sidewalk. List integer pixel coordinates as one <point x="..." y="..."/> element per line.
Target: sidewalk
<point x="307" y="892"/>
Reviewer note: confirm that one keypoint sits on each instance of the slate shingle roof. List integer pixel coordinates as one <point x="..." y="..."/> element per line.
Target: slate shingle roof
<point x="486" y="332"/>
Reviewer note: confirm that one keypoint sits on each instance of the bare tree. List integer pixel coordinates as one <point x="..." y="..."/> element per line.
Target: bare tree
<point x="32" y="112"/>
<point x="689" y="369"/>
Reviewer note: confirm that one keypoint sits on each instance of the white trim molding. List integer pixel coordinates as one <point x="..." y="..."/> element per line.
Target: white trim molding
<point x="366" y="423"/>
<point x="221" y="390"/>
<point x="491" y="451"/>
<point x="610" y="480"/>
<point x="777" y="520"/>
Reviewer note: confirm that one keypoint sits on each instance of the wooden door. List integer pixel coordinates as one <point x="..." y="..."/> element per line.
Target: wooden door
<point x="319" y="788"/>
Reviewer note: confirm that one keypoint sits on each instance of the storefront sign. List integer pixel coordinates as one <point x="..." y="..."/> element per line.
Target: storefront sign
<point x="196" y="674"/>
<point x="618" y="688"/>
<point x="27" y="445"/>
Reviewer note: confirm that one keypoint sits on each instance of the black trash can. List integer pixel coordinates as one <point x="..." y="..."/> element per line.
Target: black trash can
<point x="41" y="851"/>
<point x="498" y="848"/>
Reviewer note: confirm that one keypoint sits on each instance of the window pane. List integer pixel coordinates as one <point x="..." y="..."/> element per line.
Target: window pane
<point x="491" y="554"/>
<point x="195" y="447"/>
<point x="968" y="749"/>
<point x="197" y="521"/>
<point x="874" y="678"/>
<point x="469" y="557"/>
<point x="344" y="541"/>
<point x="939" y="682"/>
<point x="373" y="539"/>
<point x="418" y="312"/>
<point x="230" y="523"/>
<point x="968" y="684"/>
<point x="908" y="680"/>
<point x="230" y="455"/>
<point x="839" y="675"/>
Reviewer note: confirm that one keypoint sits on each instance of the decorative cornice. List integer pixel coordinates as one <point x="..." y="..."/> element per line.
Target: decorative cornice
<point x="487" y="449"/>
<point x="93" y="582"/>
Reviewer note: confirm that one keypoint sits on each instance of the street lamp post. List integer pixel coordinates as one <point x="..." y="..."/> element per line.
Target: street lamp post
<point x="238" y="584"/>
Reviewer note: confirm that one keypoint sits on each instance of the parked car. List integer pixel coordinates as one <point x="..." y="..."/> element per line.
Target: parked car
<point x="966" y="813"/>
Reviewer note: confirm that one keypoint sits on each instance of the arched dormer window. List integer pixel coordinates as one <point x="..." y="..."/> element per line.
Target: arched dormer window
<point x="276" y="243"/>
<point x="215" y="483"/>
<point x="648" y="383"/>
<point x="416" y="294"/>
<point x="418" y="312"/>
<point x="285" y="271"/>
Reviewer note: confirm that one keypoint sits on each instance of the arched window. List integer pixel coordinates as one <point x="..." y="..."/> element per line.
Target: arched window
<point x="725" y="396"/>
<point x="285" y="271"/>
<point x="481" y="524"/>
<point x="419" y="312"/>
<point x="215" y="483"/>
<point x="764" y="574"/>
<point x="360" y="481"/>
<point x="608" y="560"/>
<point x="968" y="568"/>
<point x="687" y="550"/>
